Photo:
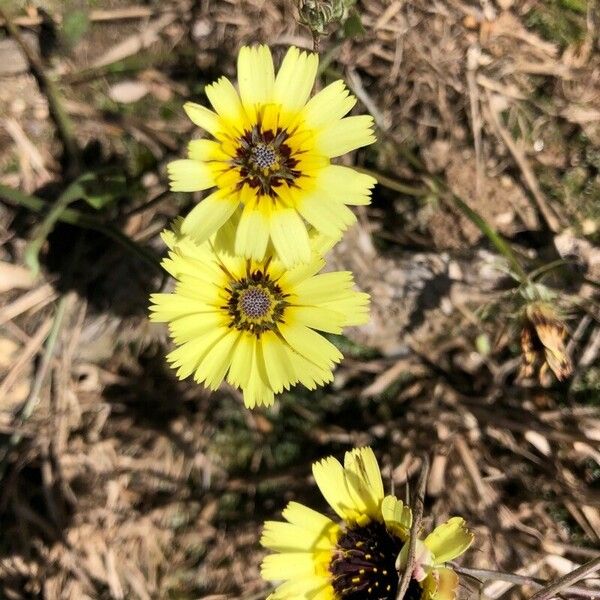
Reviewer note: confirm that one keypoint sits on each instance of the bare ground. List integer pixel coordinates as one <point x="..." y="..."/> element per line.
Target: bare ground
<point x="126" y="483"/>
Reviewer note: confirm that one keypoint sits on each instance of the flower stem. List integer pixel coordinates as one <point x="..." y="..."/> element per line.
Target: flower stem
<point x="394" y="184"/>
<point x="437" y="184"/>
<point x="74" y="217"/>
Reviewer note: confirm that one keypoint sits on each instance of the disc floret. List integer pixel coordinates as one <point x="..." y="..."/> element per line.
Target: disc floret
<point x="256" y="303"/>
<point x="265" y="160"/>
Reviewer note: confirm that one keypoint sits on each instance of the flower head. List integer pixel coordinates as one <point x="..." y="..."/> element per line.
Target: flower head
<point x="253" y="322"/>
<point x="270" y="157"/>
<point x="355" y="558"/>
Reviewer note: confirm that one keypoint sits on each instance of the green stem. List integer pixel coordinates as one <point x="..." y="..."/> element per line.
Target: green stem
<point x="555" y="264"/>
<point x="43" y="229"/>
<point x="495" y="238"/>
<point x="74" y="217"/>
<point x="501" y="245"/>
<point x="394" y="184"/>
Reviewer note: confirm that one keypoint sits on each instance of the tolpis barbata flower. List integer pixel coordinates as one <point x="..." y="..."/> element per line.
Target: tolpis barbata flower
<point x="270" y="157"/>
<point x="254" y="322"/>
<point x="355" y="556"/>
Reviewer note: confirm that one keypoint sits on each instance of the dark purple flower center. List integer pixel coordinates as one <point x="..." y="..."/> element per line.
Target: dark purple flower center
<point x="255" y="303"/>
<point x="363" y="566"/>
<point x="265" y="160"/>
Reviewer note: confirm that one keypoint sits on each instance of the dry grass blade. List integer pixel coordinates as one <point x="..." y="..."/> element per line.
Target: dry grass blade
<point x="40" y="377"/>
<point x="35" y="298"/>
<point x="137" y="42"/>
<point x="28" y="352"/>
<point x="49" y="88"/>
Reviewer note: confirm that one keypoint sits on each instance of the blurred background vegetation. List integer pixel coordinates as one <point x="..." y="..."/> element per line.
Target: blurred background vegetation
<point x="480" y="251"/>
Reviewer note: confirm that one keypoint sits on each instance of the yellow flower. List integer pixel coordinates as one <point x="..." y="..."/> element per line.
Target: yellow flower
<point x="445" y="543"/>
<point x="270" y="157"/>
<point x="355" y="559"/>
<point x="253" y="322"/>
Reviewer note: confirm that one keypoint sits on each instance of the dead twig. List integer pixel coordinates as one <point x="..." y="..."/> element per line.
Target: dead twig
<point x="40" y="377"/>
<point x="414" y="528"/>
<point x="489" y="575"/>
<point x="545" y="209"/>
<point x="566" y="580"/>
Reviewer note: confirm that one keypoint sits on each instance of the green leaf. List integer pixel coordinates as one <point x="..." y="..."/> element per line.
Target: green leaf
<point x="101" y="189"/>
<point x="579" y="6"/>
<point x="75" y="25"/>
<point x="353" y="26"/>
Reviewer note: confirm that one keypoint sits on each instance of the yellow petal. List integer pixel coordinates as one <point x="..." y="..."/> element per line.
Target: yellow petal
<point x="279" y="369"/>
<point x="286" y="537"/>
<point x="331" y="480"/>
<point x="206" y="150"/>
<point x="295" y="80"/>
<point x="257" y="390"/>
<point x="363" y="479"/>
<point x="324" y="287"/>
<point x="256" y="78"/>
<point x="330" y="104"/>
<point x="166" y="307"/>
<point x="307" y="372"/>
<point x="292" y="277"/>
<point x="310" y="344"/>
<point x="397" y="516"/>
<point x="252" y="234"/>
<point x="326" y="214"/>
<point x="289" y="236"/>
<point x="440" y="584"/>
<point x="187" y="327"/>
<point x="226" y="102"/>
<point x="215" y="364"/>
<point x="288" y="565"/>
<point x="345" y="135"/>
<point x="204" y="118"/>
<point x="190" y="175"/>
<point x="346" y="184"/>
<point x="319" y="318"/>
<point x="187" y="357"/>
<point x="241" y="364"/>
<point x="313" y="521"/>
<point x="354" y="307"/>
<point x="209" y="215"/>
<point x="305" y="588"/>
<point x="449" y="540"/>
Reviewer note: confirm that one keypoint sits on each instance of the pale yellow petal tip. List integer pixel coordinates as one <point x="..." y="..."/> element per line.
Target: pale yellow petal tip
<point x="327" y="464"/>
<point x="171" y="235"/>
<point x="253" y="399"/>
<point x="191" y="108"/>
<point x="449" y="540"/>
<point x="365" y="453"/>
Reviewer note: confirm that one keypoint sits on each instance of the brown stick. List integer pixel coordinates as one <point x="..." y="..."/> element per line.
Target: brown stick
<point x="566" y="580"/>
<point x="488" y="575"/>
<point x="417" y="516"/>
